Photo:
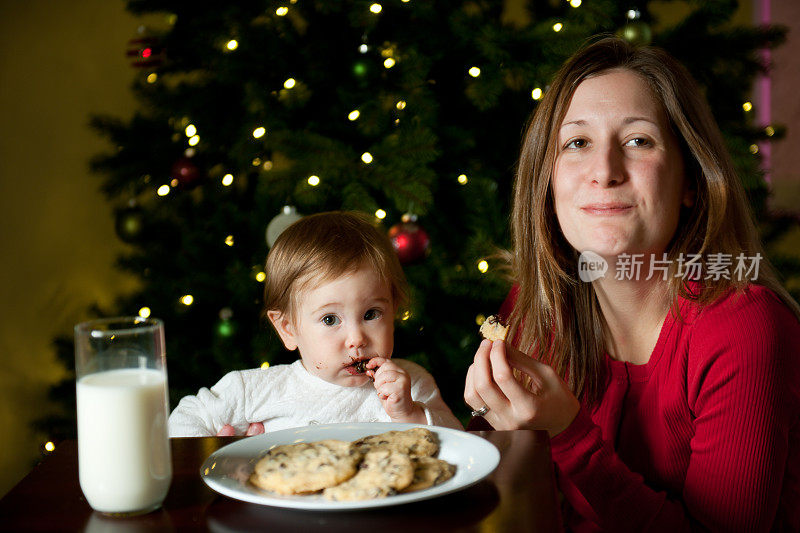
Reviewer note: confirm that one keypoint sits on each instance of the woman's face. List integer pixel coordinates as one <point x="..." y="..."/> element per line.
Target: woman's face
<point x="618" y="180"/>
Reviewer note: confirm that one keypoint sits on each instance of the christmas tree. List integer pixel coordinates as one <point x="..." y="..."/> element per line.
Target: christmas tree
<point x="411" y="111"/>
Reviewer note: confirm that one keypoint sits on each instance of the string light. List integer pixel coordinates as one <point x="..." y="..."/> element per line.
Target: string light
<point x="144" y="312"/>
<point x="406" y="315"/>
<point x="575" y="3"/>
<point x="174" y="182"/>
<point x="229" y="240"/>
<point x="313" y="181"/>
<point x="557" y="27"/>
<point x="289" y="83"/>
<point x="483" y="266"/>
<point x="265" y="364"/>
<point x="190" y="130"/>
<point x="480" y="319"/>
<point x="227" y="180"/>
<point x="353" y="115"/>
<point x="401" y="105"/>
<point x="747" y="106"/>
<point x="536" y="94"/>
<point x="376" y="8"/>
<point x="49" y="446"/>
<point x="259" y="132"/>
<point x="256" y="161"/>
<point x="187" y="299"/>
<point x="267" y="165"/>
<point x="366" y="157"/>
<point x="474" y="72"/>
<point x="281" y="11"/>
<point x="753" y="149"/>
<point x="388" y="62"/>
<point x="163" y="190"/>
<point x="633" y="14"/>
<point x="261" y="276"/>
<point x="770" y="131"/>
<point x="380" y="213"/>
<point x="462" y="179"/>
<point x="194" y="140"/>
<point x="363" y="48"/>
<point x="233" y="44"/>
<point x="152" y="77"/>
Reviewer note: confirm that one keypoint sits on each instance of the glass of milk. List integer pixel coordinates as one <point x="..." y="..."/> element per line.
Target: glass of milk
<point x="123" y="450"/>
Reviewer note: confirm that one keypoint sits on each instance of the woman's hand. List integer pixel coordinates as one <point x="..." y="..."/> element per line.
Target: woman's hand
<point x="256" y="428"/>
<point x="393" y="385"/>
<point x="490" y="382"/>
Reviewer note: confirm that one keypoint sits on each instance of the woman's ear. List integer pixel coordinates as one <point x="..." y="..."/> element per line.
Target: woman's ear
<point x="689" y="196"/>
<point x="284" y="327"/>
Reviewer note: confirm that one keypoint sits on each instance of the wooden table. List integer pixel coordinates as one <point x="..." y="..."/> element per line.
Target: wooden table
<point x="519" y="496"/>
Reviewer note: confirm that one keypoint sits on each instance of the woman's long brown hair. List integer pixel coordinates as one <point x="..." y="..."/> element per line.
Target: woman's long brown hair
<point x="556" y="316"/>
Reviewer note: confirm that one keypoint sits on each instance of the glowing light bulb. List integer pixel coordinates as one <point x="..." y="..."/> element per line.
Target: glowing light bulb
<point x="376" y="8"/>
<point x="152" y="77"/>
<point x="227" y="180"/>
<point x="363" y="48"/>
<point x="483" y="266"/>
<point x="193" y="140"/>
<point x="281" y="11"/>
<point x="480" y="319"/>
<point x="575" y="3"/>
<point x="474" y="72"/>
<point x="261" y="276"/>
<point x="536" y="94"/>
<point x="163" y="190"/>
<point x="174" y="182"/>
<point x="747" y="106"/>
<point x="49" y="446"/>
<point x="291" y="82"/>
<point x="557" y="27"/>
<point x="259" y="132"/>
<point x="144" y="312"/>
<point x="388" y="62"/>
<point x="187" y="299"/>
<point x="229" y="240"/>
<point x="770" y="131"/>
<point x="380" y="213"/>
<point x="190" y="130"/>
<point x="313" y="181"/>
<point x="401" y="104"/>
<point x="753" y="149"/>
<point x="462" y="179"/>
<point x="354" y="114"/>
<point x="233" y="44"/>
<point x="366" y="157"/>
<point x="265" y="364"/>
<point x="406" y="315"/>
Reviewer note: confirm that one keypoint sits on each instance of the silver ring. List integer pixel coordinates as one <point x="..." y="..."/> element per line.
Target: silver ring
<point x="482" y="411"/>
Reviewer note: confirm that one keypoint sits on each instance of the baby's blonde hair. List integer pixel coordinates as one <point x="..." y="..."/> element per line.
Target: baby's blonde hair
<point x="326" y="246"/>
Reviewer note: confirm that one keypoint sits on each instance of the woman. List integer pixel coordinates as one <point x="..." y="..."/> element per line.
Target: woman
<point x="670" y="385"/>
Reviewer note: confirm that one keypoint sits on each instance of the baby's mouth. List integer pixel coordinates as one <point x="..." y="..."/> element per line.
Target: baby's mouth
<point x="357" y="366"/>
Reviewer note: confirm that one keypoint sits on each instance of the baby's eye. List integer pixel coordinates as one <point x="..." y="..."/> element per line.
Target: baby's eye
<point x="638" y="141"/>
<point x="576" y="143"/>
<point x="372" y="314"/>
<point x="330" y="320"/>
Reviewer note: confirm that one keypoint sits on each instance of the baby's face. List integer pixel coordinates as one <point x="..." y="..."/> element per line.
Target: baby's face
<point x="343" y="321"/>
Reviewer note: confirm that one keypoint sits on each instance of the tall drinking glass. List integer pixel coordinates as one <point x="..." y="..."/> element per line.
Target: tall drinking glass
<point x="123" y="450"/>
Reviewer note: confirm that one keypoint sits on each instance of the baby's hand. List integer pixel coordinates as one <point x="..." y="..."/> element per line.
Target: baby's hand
<point x="256" y="428"/>
<point x="393" y="385"/>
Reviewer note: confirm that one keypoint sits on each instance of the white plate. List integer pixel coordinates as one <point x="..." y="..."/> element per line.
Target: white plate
<point x="227" y="469"/>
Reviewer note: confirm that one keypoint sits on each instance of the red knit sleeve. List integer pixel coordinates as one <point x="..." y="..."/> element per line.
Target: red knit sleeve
<point x="742" y="385"/>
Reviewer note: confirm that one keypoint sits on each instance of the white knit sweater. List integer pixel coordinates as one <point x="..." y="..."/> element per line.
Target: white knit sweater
<point x="286" y="396"/>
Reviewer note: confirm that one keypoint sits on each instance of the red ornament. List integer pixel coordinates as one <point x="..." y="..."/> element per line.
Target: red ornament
<point x="146" y="52"/>
<point x="185" y="172"/>
<point x="410" y="241"/>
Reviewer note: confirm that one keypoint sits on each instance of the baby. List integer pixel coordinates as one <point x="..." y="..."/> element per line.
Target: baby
<point x="333" y="287"/>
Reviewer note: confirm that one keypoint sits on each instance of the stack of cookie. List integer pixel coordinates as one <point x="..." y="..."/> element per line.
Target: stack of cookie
<point x="375" y="466"/>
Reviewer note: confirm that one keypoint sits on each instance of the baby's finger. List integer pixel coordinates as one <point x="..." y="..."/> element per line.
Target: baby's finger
<point x="256" y="428"/>
<point x="226" y="431"/>
<point x="376" y="362"/>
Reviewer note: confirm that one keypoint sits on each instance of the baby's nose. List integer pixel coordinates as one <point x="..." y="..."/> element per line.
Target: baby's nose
<point x="356" y="337"/>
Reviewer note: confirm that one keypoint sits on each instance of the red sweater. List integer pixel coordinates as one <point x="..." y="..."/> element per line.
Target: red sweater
<point x="705" y="435"/>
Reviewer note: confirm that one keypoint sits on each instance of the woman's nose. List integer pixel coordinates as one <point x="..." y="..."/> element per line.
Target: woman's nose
<point x="608" y="168"/>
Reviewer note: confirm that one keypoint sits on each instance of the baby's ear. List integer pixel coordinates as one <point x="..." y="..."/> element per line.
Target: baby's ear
<point x="284" y="327"/>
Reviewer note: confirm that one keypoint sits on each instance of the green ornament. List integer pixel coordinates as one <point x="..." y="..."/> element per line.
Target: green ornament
<point x="637" y="32"/>
<point x="360" y="68"/>
<point x="225" y="328"/>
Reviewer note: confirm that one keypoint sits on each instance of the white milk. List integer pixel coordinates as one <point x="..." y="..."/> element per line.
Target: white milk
<point x="123" y="449"/>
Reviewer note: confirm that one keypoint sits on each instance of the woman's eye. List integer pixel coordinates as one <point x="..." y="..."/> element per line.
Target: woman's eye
<point x="577" y="143"/>
<point x="638" y="141"/>
<point x="330" y="320"/>
<point x="372" y="314"/>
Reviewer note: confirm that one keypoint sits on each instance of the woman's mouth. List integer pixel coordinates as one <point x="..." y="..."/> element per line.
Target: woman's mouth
<point x="607" y="208"/>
